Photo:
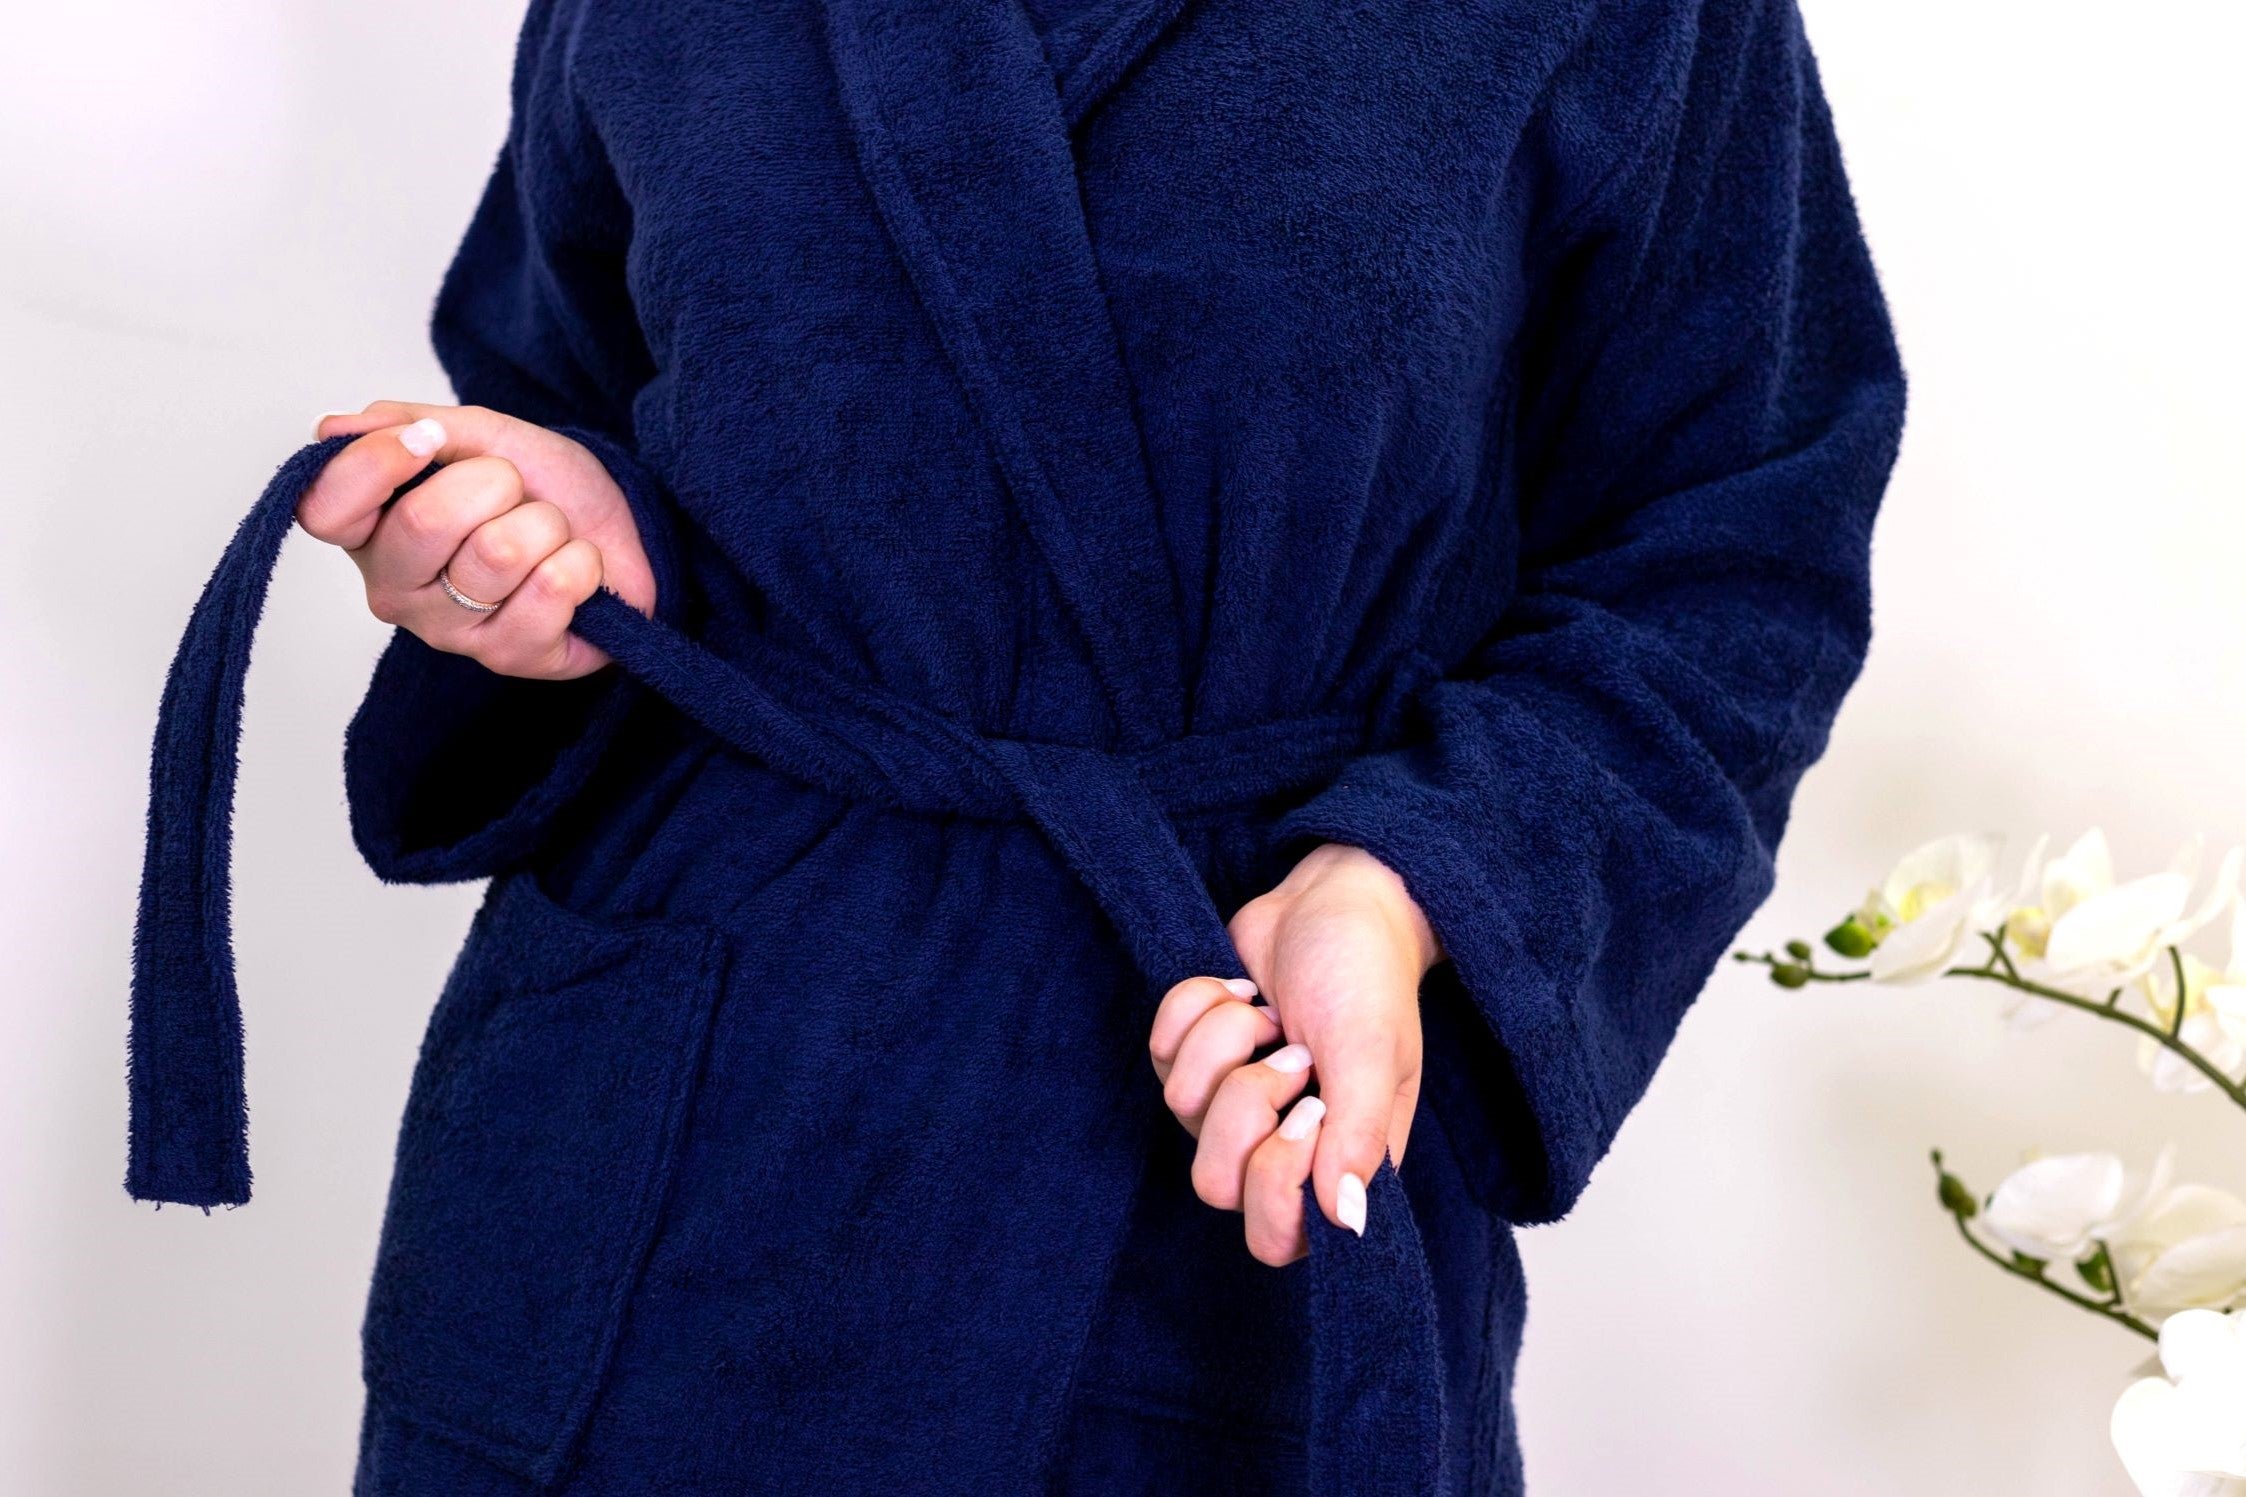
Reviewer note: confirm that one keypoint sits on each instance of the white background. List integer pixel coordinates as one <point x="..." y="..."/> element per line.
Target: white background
<point x="224" y="219"/>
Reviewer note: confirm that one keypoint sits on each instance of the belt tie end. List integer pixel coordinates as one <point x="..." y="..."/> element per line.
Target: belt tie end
<point x="189" y="1134"/>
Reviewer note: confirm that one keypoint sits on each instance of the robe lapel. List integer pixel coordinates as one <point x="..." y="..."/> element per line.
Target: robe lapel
<point x="961" y="134"/>
<point x="1092" y="49"/>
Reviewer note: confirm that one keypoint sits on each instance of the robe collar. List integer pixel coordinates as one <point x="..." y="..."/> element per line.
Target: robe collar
<point x="962" y="130"/>
<point x="1092" y="49"/>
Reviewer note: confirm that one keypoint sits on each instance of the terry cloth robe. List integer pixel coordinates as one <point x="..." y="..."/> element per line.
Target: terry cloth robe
<point x="1091" y="453"/>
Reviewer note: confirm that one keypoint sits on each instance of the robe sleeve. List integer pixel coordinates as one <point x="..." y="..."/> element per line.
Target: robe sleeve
<point x="453" y="772"/>
<point x="1710" y="403"/>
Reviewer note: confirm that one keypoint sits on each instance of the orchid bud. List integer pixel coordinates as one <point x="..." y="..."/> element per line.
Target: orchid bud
<point x="1956" y="1199"/>
<point x="1851" y="939"/>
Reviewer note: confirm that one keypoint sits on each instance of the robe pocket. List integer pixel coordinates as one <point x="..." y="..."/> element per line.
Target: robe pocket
<point x="538" y="1142"/>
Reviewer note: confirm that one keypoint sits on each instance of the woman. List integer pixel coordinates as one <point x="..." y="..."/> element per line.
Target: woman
<point x="953" y="498"/>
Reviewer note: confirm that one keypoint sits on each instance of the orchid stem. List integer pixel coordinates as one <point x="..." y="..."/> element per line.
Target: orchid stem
<point x="2176" y="1021"/>
<point x="2106" y="1310"/>
<point x="2168" y="1036"/>
<point x="1765" y="959"/>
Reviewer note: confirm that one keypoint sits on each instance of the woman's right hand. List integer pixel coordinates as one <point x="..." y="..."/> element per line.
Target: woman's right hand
<point x="516" y="515"/>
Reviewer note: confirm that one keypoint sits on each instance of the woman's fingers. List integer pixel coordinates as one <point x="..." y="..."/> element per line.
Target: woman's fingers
<point x="368" y="418"/>
<point x="396" y="440"/>
<point x="517" y="516"/>
<point x="466" y="429"/>
<point x="422" y="532"/>
<point x="529" y="635"/>
<point x="1271" y="1192"/>
<point x="1220" y="1041"/>
<point x="499" y="555"/>
<point x="345" y="501"/>
<point x="1369" y="1102"/>
<point x="1241" y="1115"/>
<point x="1182" y="1007"/>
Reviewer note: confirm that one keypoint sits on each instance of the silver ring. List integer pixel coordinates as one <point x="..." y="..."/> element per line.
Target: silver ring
<point x="444" y="580"/>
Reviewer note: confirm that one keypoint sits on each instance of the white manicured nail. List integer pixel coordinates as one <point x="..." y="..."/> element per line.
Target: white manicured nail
<point x="422" y="438"/>
<point x="1303" y="1121"/>
<point x="1349" y="1203"/>
<point x="1289" y="1059"/>
<point x="1240" y="987"/>
<point x="325" y="418"/>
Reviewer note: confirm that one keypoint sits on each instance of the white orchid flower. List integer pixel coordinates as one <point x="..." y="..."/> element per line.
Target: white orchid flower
<point x="2213" y="1019"/>
<point x="2186" y="1252"/>
<point x="2184" y="1434"/>
<point x="1935" y="901"/>
<point x="2059" y="1208"/>
<point x="2115" y="937"/>
<point x="2049" y="890"/>
<point x="2226" y="989"/>
<point x="2027" y="920"/>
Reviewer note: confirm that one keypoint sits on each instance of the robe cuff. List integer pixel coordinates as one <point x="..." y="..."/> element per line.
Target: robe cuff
<point x="1507" y="1071"/>
<point x="454" y="772"/>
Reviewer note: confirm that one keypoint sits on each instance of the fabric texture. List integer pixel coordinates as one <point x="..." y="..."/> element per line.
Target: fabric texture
<point x="1091" y="451"/>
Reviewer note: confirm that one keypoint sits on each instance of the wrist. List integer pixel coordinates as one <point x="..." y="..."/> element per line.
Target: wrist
<point x="1384" y="887"/>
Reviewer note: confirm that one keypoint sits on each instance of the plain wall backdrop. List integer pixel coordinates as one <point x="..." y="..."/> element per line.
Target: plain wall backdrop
<point x="224" y="219"/>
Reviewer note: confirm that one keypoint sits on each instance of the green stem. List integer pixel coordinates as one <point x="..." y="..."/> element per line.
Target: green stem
<point x="1997" y="953"/>
<point x="2176" y="1020"/>
<point x="1765" y="959"/>
<point x="2164" y="1036"/>
<point x="2168" y="1036"/>
<point x="2104" y="1310"/>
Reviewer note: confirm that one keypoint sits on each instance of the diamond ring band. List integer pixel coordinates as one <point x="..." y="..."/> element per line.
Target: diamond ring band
<point x="444" y="580"/>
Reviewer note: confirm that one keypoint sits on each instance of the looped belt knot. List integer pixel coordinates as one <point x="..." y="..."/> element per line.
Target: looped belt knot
<point x="1109" y="814"/>
<point x="1377" y="1405"/>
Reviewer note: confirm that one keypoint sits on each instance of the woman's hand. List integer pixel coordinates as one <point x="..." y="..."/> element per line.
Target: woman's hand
<point x="518" y="516"/>
<point x="1338" y="950"/>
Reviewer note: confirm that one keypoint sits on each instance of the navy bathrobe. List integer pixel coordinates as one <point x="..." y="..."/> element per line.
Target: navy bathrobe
<point x="1091" y="453"/>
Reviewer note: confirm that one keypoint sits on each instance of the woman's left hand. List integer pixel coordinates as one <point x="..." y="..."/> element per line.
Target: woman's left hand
<point x="1337" y="950"/>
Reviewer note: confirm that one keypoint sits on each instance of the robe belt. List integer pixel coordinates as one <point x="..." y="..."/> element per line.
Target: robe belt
<point x="1377" y="1415"/>
<point x="1107" y="813"/>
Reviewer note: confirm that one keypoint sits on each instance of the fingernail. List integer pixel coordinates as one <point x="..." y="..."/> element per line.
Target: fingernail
<point x="1349" y="1203"/>
<point x="422" y="438"/>
<point x="325" y="418"/>
<point x="1303" y="1121"/>
<point x="1240" y="987"/>
<point x="1289" y="1059"/>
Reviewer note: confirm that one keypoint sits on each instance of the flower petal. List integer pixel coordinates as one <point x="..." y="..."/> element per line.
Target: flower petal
<point x="2219" y="897"/>
<point x="2210" y="1414"/>
<point x="2206" y="1272"/>
<point x="2081" y="872"/>
<point x="2120" y="927"/>
<point x="2197" y="1343"/>
<point x="2174" y="1076"/>
<point x="1950" y="862"/>
<point x="2226" y="1002"/>
<point x="2144" y="1193"/>
<point x="1920" y="950"/>
<point x="2146" y="1436"/>
<point x="2048" y="1207"/>
<point x="1997" y="905"/>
